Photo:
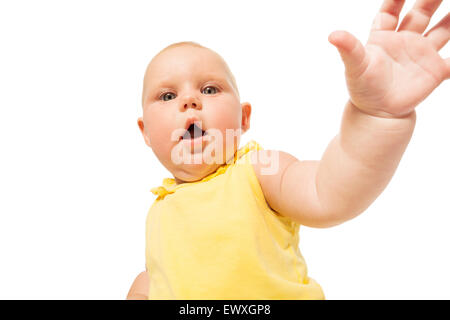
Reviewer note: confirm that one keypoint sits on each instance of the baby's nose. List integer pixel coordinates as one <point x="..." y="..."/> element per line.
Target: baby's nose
<point x="191" y="102"/>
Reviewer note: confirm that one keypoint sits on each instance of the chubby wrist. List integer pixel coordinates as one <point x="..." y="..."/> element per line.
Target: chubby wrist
<point x="370" y="138"/>
<point x="382" y="114"/>
<point x="354" y="115"/>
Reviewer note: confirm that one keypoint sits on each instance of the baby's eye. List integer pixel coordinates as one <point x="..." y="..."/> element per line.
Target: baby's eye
<point x="168" y="96"/>
<point x="209" y="90"/>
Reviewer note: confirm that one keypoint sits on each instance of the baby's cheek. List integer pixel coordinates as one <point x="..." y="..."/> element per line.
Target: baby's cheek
<point x="160" y="136"/>
<point x="227" y="118"/>
<point x="230" y="137"/>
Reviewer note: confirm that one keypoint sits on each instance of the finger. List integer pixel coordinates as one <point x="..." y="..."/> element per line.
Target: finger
<point x="440" y="33"/>
<point x="447" y="62"/>
<point x="352" y="52"/>
<point x="418" y="18"/>
<point x="387" y="17"/>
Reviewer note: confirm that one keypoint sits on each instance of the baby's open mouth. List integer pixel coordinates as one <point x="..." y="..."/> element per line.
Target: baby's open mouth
<point x="193" y="132"/>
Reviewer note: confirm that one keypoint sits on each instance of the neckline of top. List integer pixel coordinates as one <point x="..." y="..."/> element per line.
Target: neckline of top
<point x="169" y="185"/>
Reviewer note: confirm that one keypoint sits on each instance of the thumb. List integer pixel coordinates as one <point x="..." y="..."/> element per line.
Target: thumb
<point x="352" y="52"/>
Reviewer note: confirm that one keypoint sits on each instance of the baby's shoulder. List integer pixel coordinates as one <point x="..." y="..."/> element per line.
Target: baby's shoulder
<point x="269" y="167"/>
<point x="270" y="164"/>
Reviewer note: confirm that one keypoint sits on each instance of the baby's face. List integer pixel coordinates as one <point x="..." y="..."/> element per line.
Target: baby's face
<point x="185" y="85"/>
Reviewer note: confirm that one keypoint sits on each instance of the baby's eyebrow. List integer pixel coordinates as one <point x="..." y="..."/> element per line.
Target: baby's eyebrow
<point x="163" y="82"/>
<point x="213" y="76"/>
<point x="168" y="81"/>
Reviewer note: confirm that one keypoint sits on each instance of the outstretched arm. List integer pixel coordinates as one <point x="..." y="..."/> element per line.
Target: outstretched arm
<point x="360" y="161"/>
<point x="387" y="79"/>
<point x="355" y="168"/>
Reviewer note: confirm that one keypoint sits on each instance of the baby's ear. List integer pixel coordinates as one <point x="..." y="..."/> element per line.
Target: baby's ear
<point x="246" y="113"/>
<point x="140" y="123"/>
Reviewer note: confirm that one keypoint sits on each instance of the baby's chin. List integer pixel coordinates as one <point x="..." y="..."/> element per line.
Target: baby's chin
<point x="190" y="165"/>
<point x="193" y="172"/>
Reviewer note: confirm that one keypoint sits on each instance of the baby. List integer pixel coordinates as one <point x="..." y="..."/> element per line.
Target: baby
<point x="226" y="225"/>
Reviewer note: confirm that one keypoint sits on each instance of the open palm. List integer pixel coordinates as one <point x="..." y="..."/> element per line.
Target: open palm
<point x="396" y="70"/>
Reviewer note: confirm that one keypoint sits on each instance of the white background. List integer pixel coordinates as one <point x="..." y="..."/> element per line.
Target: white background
<point x="75" y="173"/>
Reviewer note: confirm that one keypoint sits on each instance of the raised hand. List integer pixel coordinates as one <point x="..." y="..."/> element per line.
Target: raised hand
<point x="396" y="70"/>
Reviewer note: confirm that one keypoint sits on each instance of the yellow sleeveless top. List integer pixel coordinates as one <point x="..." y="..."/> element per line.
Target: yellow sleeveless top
<point x="217" y="238"/>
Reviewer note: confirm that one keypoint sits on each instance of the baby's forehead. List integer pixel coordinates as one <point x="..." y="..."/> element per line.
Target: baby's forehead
<point x="182" y="57"/>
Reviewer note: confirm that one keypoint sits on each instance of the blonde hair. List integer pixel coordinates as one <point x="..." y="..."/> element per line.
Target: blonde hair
<point x="195" y="44"/>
